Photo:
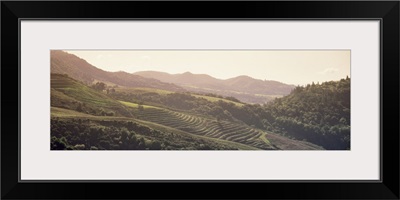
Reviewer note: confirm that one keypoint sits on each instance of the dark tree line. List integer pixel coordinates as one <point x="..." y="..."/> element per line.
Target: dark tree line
<point x="85" y="134"/>
<point x="318" y="113"/>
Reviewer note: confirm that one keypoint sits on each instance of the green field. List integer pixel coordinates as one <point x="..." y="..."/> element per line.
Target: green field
<point x="215" y="99"/>
<point x="135" y="105"/>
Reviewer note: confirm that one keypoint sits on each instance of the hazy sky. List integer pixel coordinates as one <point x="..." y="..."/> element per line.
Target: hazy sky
<point x="292" y="67"/>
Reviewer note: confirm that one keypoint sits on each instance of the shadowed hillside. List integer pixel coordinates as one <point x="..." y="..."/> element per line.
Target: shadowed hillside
<point x="79" y="69"/>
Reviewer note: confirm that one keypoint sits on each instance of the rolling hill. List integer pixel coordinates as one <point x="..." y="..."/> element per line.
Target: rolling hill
<point x="70" y="94"/>
<point x="244" y="88"/>
<point x="79" y="69"/>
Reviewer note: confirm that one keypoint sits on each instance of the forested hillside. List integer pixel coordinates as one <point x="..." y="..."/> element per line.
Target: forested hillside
<point x="318" y="113"/>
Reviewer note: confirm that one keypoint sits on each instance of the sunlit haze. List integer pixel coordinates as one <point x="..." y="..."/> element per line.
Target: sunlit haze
<point x="291" y="67"/>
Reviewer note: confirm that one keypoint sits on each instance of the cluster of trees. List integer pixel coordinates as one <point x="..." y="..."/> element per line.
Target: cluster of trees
<point x="99" y="86"/>
<point x="85" y="134"/>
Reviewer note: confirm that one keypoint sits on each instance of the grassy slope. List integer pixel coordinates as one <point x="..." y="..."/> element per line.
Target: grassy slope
<point x="135" y="105"/>
<point x="142" y="90"/>
<point x="215" y="99"/>
<point x="62" y="112"/>
<point x="68" y="93"/>
<point x="74" y="89"/>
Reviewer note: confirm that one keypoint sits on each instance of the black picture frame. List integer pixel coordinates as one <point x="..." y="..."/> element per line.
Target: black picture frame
<point x="386" y="11"/>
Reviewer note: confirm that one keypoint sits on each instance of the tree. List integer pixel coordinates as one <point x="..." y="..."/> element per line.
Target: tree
<point x="141" y="145"/>
<point x="155" y="145"/>
<point x="94" y="148"/>
<point x="58" y="144"/>
<point x="79" y="147"/>
<point x="100" y="86"/>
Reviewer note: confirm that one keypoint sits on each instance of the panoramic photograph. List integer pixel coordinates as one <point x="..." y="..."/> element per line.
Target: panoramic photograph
<point x="200" y="100"/>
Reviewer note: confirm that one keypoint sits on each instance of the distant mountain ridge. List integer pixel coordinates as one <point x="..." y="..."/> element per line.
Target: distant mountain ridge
<point x="244" y="88"/>
<point x="186" y="78"/>
<point x="79" y="69"/>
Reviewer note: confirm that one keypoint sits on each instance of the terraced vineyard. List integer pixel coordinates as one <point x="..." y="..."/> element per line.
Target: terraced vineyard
<point x="201" y="126"/>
